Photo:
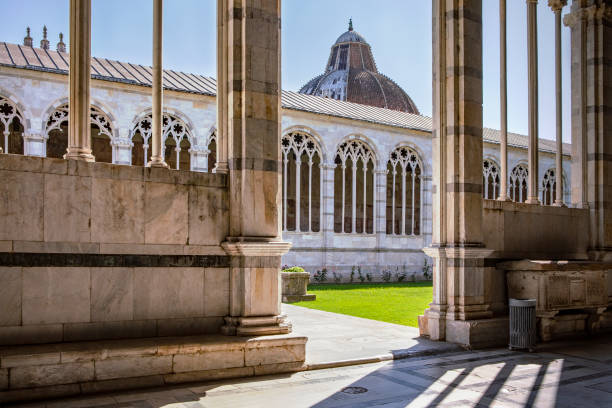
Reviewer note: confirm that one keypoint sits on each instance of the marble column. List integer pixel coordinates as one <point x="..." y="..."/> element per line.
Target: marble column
<point x="557" y="7"/>
<point x="157" y="126"/>
<point x="380" y="215"/>
<point x="79" y="128"/>
<point x="591" y="48"/>
<point x="252" y="100"/>
<point x="460" y="311"/>
<point x="532" y="84"/>
<point x="327" y="211"/>
<point x="503" y="93"/>
<point x="222" y="77"/>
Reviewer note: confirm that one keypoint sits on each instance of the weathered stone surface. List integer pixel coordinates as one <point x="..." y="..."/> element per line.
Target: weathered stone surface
<point x="67" y="207"/>
<point x="216" y="291"/>
<point x="189" y="326"/>
<point x="48" y="333"/>
<point x="208" y="361"/>
<point x="208" y="214"/>
<point x="39" y="376"/>
<point x="28" y="394"/>
<point x="161" y="293"/>
<point x="133" y="367"/>
<point x="166" y="213"/>
<point x="10" y="296"/>
<point x="56" y="295"/>
<point x="30" y="359"/>
<point x="94" y="387"/>
<point x="196" y="376"/>
<point x="268" y="369"/>
<point x="110" y="330"/>
<point x="118" y="211"/>
<point x="3" y="379"/>
<point x="21" y="212"/>
<point x="274" y="355"/>
<point x="112" y="294"/>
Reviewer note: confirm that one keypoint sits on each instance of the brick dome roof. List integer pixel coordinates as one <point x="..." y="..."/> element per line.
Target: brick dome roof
<point x="351" y="75"/>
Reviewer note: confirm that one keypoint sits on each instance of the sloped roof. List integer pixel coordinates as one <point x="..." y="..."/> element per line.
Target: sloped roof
<point x="19" y="56"/>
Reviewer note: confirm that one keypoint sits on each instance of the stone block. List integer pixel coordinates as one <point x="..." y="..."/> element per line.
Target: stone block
<point x="274" y="355"/>
<point x="166" y="213"/>
<point x="133" y="367"/>
<point x="21" y="212"/>
<point x="197" y="376"/>
<point x="57" y="374"/>
<point x="212" y="360"/>
<point x="112" y="294"/>
<point x="117" y="208"/>
<point x="67" y="208"/>
<point x="208" y="215"/>
<point x="163" y="293"/>
<point x="29" y="394"/>
<point x="189" y="326"/>
<point x="4" y="379"/>
<point x="6" y="246"/>
<point x="34" y="334"/>
<point x="110" y="330"/>
<point x="131" y="383"/>
<point x="19" y="163"/>
<point x="216" y="291"/>
<point x="55" y="295"/>
<point x="10" y="296"/>
<point x="30" y="359"/>
<point x="263" y="298"/>
<point x="269" y="369"/>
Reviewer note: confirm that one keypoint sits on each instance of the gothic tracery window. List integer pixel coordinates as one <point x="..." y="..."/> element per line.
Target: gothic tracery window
<point x="11" y="127"/>
<point x="404" y="178"/>
<point x="491" y="180"/>
<point x="301" y="182"/>
<point x="518" y="183"/>
<point x="56" y="130"/>
<point x="176" y="137"/>
<point x="354" y="188"/>
<point x="212" y="151"/>
<point x="549" y="187"/>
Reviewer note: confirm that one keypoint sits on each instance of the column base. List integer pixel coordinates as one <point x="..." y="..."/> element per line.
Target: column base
<point x="559" y="204"/>
<point x="256" y="326"/>
<point x="221" y="168"/>
<point x="532" y="200"/>
<point x="158" y="163"/>
<point x="472" y="334"/>
<point x="79" y="154"/>
<point x="505" y="198"/>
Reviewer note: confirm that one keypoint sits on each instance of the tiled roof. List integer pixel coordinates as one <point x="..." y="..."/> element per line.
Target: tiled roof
<point x="19" y="56"/>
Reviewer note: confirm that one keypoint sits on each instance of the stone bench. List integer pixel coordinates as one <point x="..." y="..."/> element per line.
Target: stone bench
<point x="572" y="296"/>
<point x="64" y="369"/>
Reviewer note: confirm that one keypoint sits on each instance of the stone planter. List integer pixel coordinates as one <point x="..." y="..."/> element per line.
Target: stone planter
<point x="295" y="285"/>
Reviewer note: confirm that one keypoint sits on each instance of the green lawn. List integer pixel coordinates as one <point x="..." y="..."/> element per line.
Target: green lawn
<point x="398" y="303"/>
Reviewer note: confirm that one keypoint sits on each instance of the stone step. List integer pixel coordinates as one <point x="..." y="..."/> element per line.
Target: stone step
<point x="63" y="369"/>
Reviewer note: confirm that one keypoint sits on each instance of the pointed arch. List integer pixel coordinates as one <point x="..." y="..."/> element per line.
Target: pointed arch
<point x="404" y="191"/>
<point x="12" y="126"/>
<point x="490" y="179"/>
<point x="518" y="183"/>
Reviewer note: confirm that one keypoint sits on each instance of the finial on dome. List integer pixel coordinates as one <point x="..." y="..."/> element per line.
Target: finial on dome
<point x="350" y="24"/>
<point x="27" y="41"/>
<point x="44" y="43"/>
<point x="61" y="46"/>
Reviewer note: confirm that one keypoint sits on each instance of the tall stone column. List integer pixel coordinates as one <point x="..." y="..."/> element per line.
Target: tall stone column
<point x="557" y="7"/>
<point x="460" y="312"/>
<point x="532" y="67"/>
<point x="591" y="38"/>
<point x="503" y="96"/>
<point x="222" y="75"/>
<point x="157" y="126"/>
<point x="79" y="128"/>
<point x="252" y="100"/>
<point x="327" y="209"/>
<point x="380" y="216"/>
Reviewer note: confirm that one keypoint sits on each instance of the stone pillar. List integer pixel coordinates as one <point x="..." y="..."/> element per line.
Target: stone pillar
<point x="222" y="77"/>
<point x="79" y="128"/>
<point x="591" y="30"/>
<point x="380" y="216"/>
<point x="460" y="311"/>
<point x="532" y="84"/>
<point x="503" y="93"/>
<point x="327" y="209"/>
<point x="557" y="7"/>
<point x="157" y="126"/>
<point x="122" y="147"/>
<point x="252" y="100"/>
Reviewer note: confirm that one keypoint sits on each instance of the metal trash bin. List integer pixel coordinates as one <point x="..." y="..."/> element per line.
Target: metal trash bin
<point x="522" y="324"/>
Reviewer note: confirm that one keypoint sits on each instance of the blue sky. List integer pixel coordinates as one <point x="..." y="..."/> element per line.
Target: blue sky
<point x="399" y="32"/>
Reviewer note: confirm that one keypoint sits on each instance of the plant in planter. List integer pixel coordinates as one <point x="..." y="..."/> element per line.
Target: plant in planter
<point x="294" y="284"/>
<point x="293" y="269"/>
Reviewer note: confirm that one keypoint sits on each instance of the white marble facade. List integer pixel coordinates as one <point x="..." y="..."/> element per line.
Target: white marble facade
<point x="37" y="94"/>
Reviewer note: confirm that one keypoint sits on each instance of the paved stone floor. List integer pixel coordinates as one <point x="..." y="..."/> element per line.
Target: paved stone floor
<point x="562" y="375"/>
<point x="334" y="337"/>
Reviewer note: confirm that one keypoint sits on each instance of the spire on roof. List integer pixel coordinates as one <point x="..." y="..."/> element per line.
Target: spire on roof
<point x="44" y="43"/>
<point x="61" y="46"/>
<point x="350" y="24"/>
<point x="27" y="40"/>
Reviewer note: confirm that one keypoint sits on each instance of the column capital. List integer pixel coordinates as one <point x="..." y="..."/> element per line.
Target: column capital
<point x="557" y="5"/>
<point x="245" y="246"/>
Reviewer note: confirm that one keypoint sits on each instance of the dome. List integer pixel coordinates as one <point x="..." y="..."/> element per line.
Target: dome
<point x="351" y="75"/>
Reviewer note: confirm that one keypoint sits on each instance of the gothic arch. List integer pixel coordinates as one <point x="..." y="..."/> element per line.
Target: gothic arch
<point x="302" y="181"/>
<point x="314" y="134"/>
<point x="13" y="125"/>
<point x="404" y="191"/>
<point x="491" y="178"/>
<point x="518" y="180"/>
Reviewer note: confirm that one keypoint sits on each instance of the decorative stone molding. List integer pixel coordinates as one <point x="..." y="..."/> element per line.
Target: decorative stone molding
<point x="557" y="5"/>
<point x="256" y="248"/>
<point x="458" y="252"/>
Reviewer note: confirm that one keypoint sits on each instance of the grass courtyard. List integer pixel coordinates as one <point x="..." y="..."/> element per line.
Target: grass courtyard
<point x="398" y="303"/>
